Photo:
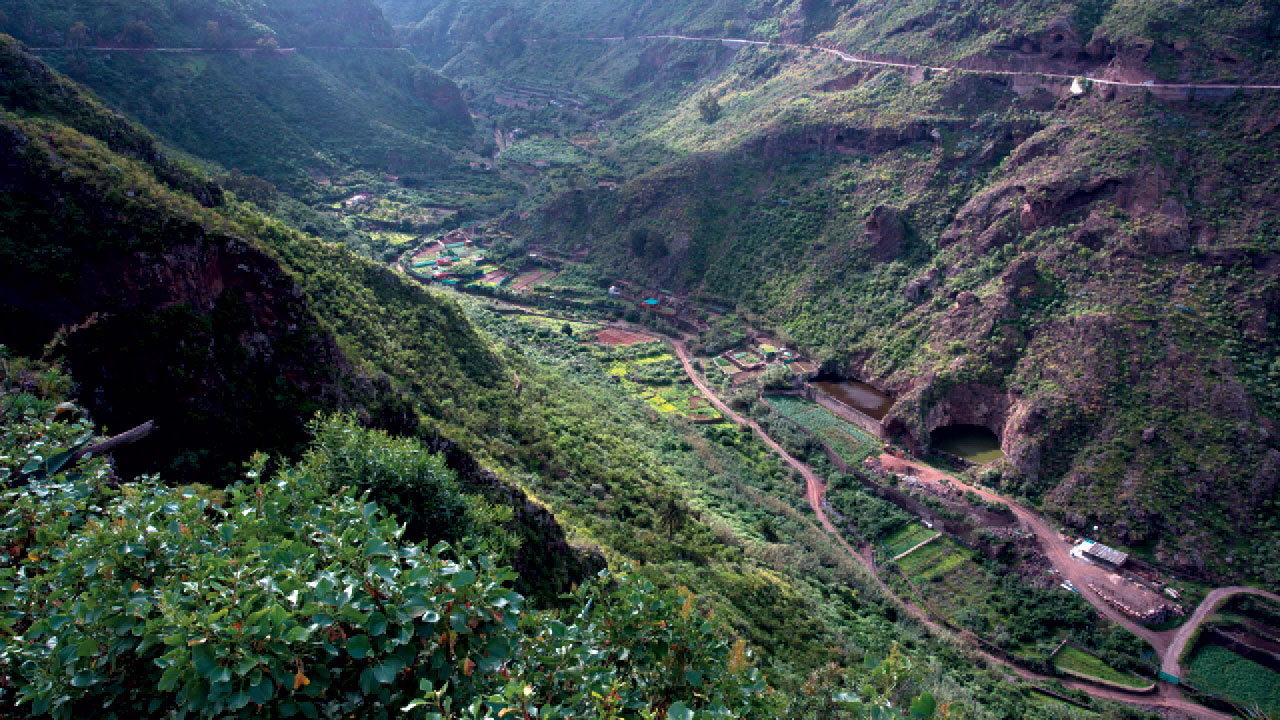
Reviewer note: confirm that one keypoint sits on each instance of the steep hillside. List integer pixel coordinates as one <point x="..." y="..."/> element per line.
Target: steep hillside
<point x="294" y="92"/>
<point x="227" y="329"/>
<point x="1091" y="276"/>
<point x="135" y="270"/>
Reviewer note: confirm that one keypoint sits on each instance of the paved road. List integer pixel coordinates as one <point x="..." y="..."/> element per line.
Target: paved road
<point x="1183" y="635"/>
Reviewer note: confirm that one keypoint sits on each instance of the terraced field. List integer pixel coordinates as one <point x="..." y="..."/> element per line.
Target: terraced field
<point x="659" y="381"/>
<point x="1076" y="661"/>
<point x="850" y="443"/>
<point x="907" y="538"/>
<point x="1235" y="677"/>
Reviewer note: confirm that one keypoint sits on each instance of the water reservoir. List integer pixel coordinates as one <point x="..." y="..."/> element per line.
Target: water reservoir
<point x="859" y="396"/>
<point x="974" y="443"/>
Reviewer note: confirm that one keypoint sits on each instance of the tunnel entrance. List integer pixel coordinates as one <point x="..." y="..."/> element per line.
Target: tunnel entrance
<point x="974" y="443"/>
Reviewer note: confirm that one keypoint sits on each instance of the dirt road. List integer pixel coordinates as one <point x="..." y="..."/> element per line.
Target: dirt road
<point x="1169" y="662"/>
<point x="1167" y="645"/>
<point x="1167" y="696"/>
<point x="814" y="486"/>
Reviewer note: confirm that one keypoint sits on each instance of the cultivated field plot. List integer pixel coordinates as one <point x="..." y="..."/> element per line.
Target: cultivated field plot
<point x="394" y="238"/>
<point x="725" y="366"/>
<point x="907" y="538"/>
<point x="1074" y="661"/>
<point x="1237" y="678"/>
<point x="659" y="381"/>
<point x="952" y="582"/>
<point x="850" y="443"/>
<point x="746" y="358"/>
<point x="532" y="278"/>
<point x="614" y="336"/>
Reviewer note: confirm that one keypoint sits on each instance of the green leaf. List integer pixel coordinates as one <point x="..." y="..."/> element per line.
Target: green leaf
<point x="84" y="679"/>
<point x="376" y="548"/>
<point x="386" y="672"/>
<point x="169" y="679"/>
<point x="377" y="624"/>
<point x="262" y="690"/>
<point x="463" y="578"/>
<point x="358" y="647"/>
<point x="922" y="707"/>
<point x="203" y="659"/>
<point x="694" y="677"/>
<point x="458" y="622"/>
<point x="88" y="648"/>
<point x="679" y="711"/>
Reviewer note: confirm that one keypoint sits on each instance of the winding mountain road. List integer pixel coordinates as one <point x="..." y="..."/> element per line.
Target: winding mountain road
<point x="1170" y="659"/>
<point x="1169" y="644"/>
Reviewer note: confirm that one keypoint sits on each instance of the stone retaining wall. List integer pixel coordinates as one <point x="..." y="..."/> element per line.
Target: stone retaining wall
<point x="867" y="423"/>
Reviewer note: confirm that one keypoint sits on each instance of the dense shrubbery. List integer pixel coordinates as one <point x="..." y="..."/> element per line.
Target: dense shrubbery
<point x="297" y="595"/>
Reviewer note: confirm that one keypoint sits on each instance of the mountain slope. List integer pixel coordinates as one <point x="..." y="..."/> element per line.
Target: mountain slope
<point x="344" y="99"/>
<point x="111" y="256"/>
<point x="1092" y="277"/>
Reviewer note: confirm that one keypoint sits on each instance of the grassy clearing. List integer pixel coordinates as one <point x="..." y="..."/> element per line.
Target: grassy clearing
<point x="850" y="443"/>
<point x="1236" y="678"/>
<point x="1059" y="708"/>
<point x="1073" y="659"/>
<point x="394" y="238"/>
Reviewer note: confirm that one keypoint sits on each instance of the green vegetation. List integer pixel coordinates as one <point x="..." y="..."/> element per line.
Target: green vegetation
<point x="1222" y="672"/>
<point x="1025" y="616"/>
<point x="939" y="233"/>
<point x="292" y="593"/>
<point x="848" y="441"/>
<point x="906" y="538"/>
<point x="1079" y="662"/>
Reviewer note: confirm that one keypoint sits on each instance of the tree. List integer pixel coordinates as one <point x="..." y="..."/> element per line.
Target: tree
<point x="709" y="108"/>
<point x="672" y="513"/>
<point x="138" y="34"/>
<point x="78" y="35"/>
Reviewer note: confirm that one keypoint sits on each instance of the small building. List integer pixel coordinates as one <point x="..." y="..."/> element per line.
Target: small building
<point x="614" y="291"/>
<point x="1105" y="555"/>
<point x="356" y="200"/>
<point x="651" y="302"/>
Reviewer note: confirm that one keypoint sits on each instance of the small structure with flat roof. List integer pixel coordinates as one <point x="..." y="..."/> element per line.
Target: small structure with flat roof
<point x="1103" y="554"/>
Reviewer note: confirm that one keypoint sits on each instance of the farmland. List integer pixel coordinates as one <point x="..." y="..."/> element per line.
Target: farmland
<point x="655" y="376"/>
<point x="1073" y="660"/>
<point x="1222" y="672"/>
<point x="850" y="443"/>
<point x="906" y="538"/>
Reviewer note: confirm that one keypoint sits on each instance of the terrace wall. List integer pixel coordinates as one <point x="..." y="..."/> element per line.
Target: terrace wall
<point x="867" y="423"/>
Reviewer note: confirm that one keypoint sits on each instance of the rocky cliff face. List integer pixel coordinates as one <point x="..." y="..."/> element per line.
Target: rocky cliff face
<point x="1090" y="275"/>
<point x="160" y="314"/>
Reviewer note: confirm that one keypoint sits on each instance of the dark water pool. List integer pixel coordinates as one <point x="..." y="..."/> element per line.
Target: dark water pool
<point x="859" y="396"/>
<point x="971" y="442"/>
